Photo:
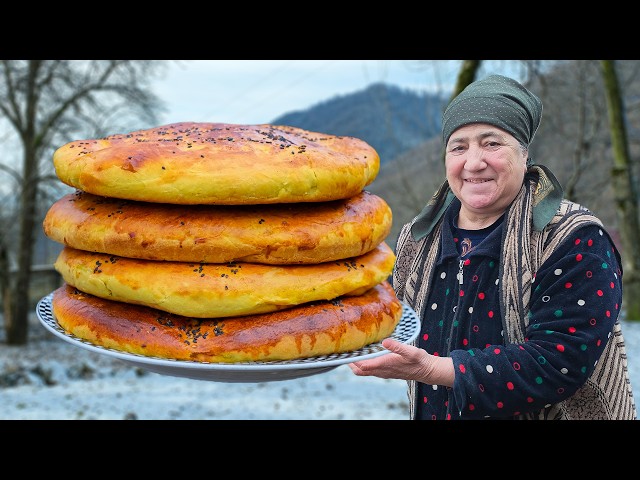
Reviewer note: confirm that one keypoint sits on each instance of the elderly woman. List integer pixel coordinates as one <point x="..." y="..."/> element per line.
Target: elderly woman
<point x="518" y="290"/>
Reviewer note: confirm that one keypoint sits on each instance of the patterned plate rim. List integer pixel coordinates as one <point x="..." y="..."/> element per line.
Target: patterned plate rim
<point x="406" y="331"/>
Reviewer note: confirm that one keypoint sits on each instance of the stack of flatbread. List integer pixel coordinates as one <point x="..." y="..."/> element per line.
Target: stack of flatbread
<point x="219" y="242"/>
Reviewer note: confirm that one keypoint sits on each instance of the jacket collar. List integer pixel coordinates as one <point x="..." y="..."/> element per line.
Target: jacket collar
<point x="490" y="247"/>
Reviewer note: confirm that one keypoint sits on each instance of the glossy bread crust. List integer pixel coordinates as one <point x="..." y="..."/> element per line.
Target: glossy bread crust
<point x="318" y="328"/>
<point x="298" y="233"/>
<point x="210" y="290"/>
<point x="219" y="163"/>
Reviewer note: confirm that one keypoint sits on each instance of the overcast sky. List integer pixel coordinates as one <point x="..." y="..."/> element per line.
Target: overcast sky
<point x="259" y="91"/>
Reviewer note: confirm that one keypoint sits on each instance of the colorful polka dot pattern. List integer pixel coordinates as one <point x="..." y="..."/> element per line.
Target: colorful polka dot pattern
<point x="576" y="298"/>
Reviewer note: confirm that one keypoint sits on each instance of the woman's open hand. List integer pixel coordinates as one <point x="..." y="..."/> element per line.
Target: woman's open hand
<point x="406" y="362"/>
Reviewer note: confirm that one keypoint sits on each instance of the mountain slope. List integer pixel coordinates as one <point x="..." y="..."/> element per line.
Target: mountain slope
<point x="388" y="118"/>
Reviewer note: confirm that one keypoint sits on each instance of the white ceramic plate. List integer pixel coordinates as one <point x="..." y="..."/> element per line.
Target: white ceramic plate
<point x="406" y="331"/>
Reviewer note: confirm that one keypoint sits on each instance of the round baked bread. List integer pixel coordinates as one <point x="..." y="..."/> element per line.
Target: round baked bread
<point x="312" y="329"/>
<point x="212" y="290"/>
<point x="219" y="163"/>
<point x="271" y="234"/>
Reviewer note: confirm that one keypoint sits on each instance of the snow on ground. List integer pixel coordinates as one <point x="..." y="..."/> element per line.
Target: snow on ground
<point x="50" y="379"/>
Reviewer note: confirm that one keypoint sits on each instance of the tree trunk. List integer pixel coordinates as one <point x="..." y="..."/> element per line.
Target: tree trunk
<point x="466" y="75"/>
<point x="626" y="197"/>
<point x="17" y="325"/>
<point x="5" y="292"/>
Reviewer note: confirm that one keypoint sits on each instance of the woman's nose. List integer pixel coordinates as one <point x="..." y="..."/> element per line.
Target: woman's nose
<point x="474" y="159"/>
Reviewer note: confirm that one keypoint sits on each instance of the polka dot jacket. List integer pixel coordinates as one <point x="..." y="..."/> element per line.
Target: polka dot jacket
<point x="575" y="301"/>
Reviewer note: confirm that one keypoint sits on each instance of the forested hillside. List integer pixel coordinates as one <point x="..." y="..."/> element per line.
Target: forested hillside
<point x="388" y="118"/>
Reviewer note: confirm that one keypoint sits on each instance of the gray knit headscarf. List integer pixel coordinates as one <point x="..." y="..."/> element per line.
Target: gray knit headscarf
<point x="506" y="104"/>
<point x="498" y="101"/>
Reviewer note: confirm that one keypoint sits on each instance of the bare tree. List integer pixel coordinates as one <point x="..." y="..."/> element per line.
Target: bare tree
<point x="626" y="197"/>
<point x="466" y="75"/>
<point x="582" y="145"/>
<point x="47" y="103"/>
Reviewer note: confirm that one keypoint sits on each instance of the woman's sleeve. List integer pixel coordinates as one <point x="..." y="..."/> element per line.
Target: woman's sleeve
<point x="575" y="302"/>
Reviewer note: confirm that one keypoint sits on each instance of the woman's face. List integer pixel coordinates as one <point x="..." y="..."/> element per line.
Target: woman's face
<point x="485" y="167"/>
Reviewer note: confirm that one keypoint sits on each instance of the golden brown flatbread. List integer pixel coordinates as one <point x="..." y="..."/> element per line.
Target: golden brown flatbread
<point x="312" y="329"/>
<point x="210" y="290"/>
<point x="219" y="163"/>
<point x="272" y="234"/>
